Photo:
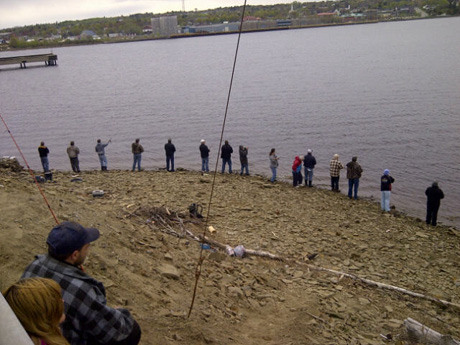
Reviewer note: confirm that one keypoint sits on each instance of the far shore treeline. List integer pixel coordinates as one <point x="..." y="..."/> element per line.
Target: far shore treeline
<point x="138" y="26"/>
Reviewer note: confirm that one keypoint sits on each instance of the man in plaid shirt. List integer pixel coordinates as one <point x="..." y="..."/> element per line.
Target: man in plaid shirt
<point x="89" y="321"/>
<point x="335" y="167"/>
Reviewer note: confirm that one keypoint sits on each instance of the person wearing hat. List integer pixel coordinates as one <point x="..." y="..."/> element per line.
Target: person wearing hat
<point x="204" y="152"/>
<point x="385" y="187"/>
<point x="434" y="195"/>
<point x="309" y="163"/>
<point x="354" y="172"/>
<point x="89" y="320"/>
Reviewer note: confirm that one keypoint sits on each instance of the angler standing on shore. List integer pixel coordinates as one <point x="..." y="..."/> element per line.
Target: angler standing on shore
<point x="354" y="172"/>
<point x="434" y="195"/>
<point x="226" y="155"/>
<point x="309" y="162"/>
<point x="334" y="168"/>
<point x="244" y="159"/>
<point x="169" y="150"/>
<point x="100" y="150"/>
<point x="73" y="152"/>
<point x="43" y="152"/>
<point x="137" y="150"/>
<point x="204" y="152"/>
<point x="385" y="187"/>
<point x="273" y="164"/>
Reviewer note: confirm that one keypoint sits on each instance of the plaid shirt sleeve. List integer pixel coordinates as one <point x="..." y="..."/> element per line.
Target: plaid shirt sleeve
<point x="87" y="314"/>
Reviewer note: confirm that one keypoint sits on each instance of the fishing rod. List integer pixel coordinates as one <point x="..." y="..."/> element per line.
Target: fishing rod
<point x="30" y="171"/>
<point x="201" y="259"/>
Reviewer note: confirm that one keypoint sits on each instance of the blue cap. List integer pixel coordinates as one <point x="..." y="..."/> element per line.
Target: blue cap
<point x="68" y="237"/>
<point x="386" y="172"/>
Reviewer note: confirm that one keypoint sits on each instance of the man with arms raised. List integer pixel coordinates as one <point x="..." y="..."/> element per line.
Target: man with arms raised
<point x="89" y="321"/>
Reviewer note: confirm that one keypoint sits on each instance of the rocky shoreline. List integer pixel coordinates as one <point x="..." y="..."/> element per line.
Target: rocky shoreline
<point x="148" y="263"/>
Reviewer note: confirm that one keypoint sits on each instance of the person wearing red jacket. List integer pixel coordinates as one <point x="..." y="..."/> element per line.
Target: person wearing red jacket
<point x="296" y="171"/>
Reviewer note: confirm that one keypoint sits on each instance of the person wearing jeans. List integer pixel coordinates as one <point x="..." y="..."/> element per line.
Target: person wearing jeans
<point x="354" y="172"/>
<point x="385" y="187"/>
<point x="100" y="150"/>
<point x="226" y="155"/>
<point x="204" y="152"/>
<point x="137" y="150"/>
<point x="43" y="152"/>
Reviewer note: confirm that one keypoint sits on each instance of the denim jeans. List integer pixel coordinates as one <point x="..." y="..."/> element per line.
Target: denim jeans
<point x="170" y="163"/>
<point x="308" y="175"/>
<point x="353" y="182"/>
<point x="103" y="161"/>
<point x="137" y="161"/>
<point x="273" y="179"/>
<point x="385" y="202"/>
<point x="243" y="168"/>
<point x="45" y="164"/>
<point x="224" y="162"/>
<point x="205" y="164"/>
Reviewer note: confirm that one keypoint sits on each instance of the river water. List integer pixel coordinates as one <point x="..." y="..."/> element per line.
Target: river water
<point x="387" y="93"/>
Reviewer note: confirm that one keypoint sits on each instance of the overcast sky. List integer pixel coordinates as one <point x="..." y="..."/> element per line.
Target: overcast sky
<point x="27" y="12"/>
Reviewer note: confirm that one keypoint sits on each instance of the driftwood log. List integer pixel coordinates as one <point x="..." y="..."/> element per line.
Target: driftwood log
<point x="422" y="334"/>
<point x="337" y="273"/>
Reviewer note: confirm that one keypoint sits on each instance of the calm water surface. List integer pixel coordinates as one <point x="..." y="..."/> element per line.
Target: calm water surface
<point x="387" y="93"/>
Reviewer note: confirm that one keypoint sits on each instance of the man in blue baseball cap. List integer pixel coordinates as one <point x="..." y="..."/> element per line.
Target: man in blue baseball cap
<point x="89" y="321"/>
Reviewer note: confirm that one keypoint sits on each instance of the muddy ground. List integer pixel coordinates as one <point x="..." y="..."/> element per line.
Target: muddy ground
<point x="148" y="265"/>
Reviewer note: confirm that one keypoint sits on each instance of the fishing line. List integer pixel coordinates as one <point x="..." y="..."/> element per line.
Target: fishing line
<point x="200" y="260"/>
<point x="30" y="171"/>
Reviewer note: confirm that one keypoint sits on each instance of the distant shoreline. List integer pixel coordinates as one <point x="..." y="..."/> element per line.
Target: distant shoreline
<point x="204" y="34"/>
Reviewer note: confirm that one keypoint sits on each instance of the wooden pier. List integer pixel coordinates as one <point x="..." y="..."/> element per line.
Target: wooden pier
<point x="48" y="59"/>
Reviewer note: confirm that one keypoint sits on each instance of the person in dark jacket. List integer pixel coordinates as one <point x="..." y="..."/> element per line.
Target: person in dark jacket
<point x="434" y="195"/>
<point x="43" y="152"/>
<point x="204" y="152"/>
<point x="354" y="172"/>
<point x="309" y="163"/>
<point x="89" y="320"/>
<point x="169" y="150"/>
<point x="385" y="187"/>
<point x="226" y="155"/>
<point x="244" y="159"/>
